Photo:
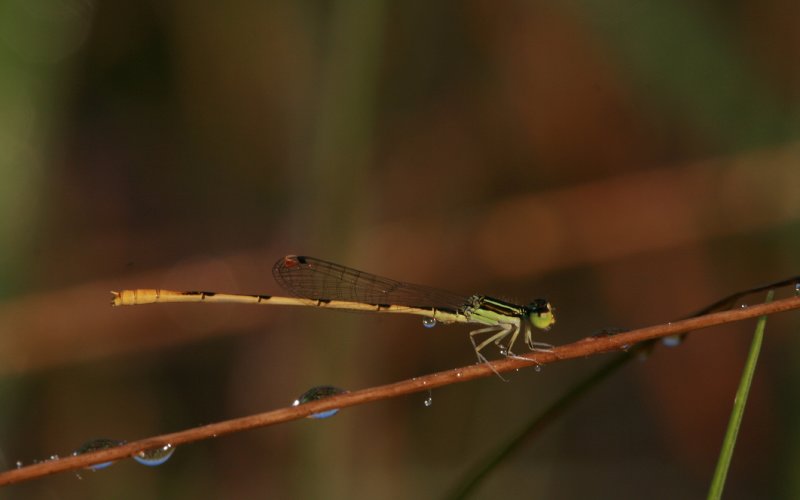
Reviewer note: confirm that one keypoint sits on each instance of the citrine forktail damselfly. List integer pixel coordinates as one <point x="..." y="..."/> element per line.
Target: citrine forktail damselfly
<point x="317" y="283"/>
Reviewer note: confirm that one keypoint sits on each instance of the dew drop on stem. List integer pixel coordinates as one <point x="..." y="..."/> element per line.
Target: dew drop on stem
<point x="153" y="457"/>
<point x="317" y="393"/>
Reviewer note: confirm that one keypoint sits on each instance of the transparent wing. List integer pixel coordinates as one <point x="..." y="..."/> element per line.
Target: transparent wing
<point x="317" y="279"/>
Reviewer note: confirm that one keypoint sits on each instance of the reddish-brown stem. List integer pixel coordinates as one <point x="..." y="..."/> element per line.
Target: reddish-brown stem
<point x="582" y="348"/>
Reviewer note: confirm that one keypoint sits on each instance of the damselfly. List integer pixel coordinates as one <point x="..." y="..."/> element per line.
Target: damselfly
<point x="318" y="283"/>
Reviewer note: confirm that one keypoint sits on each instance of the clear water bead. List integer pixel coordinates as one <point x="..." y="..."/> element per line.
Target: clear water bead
<point x="428" y="322"/>
<point x="316" y="393"/>
<point x="98" y="444"/>
<point x="153" y="457"/>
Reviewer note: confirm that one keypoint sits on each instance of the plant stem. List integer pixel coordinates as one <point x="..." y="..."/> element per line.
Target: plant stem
<point x="739" y="403"/>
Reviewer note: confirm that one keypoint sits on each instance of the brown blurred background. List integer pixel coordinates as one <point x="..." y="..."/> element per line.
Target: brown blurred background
<point x="631" y="161"/>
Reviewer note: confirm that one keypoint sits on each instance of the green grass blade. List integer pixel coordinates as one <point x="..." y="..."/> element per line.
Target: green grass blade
<point x="725" y="455"/>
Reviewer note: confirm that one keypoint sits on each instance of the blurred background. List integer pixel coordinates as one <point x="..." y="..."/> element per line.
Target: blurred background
<point x="630" y="161"/>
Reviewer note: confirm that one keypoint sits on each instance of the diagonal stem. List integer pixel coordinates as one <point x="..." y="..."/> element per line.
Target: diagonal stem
<point x="580" y="349"/>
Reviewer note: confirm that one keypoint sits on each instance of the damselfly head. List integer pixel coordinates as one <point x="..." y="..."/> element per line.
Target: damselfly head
<point x="541" y="314"/>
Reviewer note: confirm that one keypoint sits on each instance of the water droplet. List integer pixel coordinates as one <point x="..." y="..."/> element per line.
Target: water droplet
<point x="537" y="368"/>
<point x="319" y="392"/>
<point x="458" y="374"/>
<point x="19" y="464"/>
<point x="797" y="288"/>
<point x="671" y="341"/>
<point x="429" y="322"/>
<point x="429" y="400"/>
<point x="53" y="457"/>
<point x="625" y="347"/>
<point x="503" y="350"/>
<point x="97" y="444"/>
<point x="153" y="457"/>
